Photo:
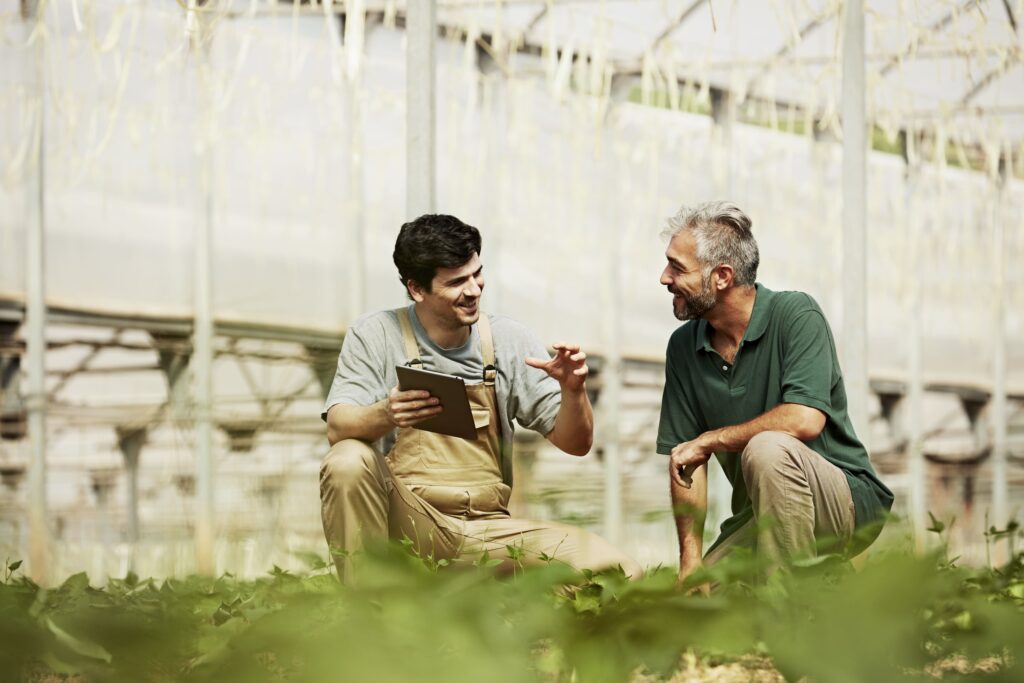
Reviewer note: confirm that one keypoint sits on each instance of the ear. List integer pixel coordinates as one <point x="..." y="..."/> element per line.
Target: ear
<point x="725" y="276"/>
<point x="416" y="292"/>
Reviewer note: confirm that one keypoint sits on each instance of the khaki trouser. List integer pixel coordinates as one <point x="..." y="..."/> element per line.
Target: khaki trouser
<point x="802" y="502"/>
<point x="363" y="501"/>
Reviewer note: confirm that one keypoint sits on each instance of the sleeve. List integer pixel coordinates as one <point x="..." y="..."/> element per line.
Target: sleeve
<point x="536" y="397"/>
<point x="678" y="422"/>
<point x="359" y="379"/>
<point x="807" y="362"/>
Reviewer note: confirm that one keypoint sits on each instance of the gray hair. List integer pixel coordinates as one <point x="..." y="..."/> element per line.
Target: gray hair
<point x="723" y="236"/>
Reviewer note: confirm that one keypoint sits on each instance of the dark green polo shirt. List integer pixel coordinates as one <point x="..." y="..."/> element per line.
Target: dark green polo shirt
<point x="787" y="356"/>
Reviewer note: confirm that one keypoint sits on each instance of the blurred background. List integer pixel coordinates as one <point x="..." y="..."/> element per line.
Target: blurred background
<point x="198" y="196"/>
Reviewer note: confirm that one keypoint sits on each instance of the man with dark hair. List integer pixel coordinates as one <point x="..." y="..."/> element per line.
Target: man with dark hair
<point x="449" y="495"/>
<point x="753" y="379"/>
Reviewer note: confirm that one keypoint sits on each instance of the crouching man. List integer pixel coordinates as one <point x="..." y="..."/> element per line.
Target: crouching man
<point x="449" y="495"/>
<point x="753" y="379"/>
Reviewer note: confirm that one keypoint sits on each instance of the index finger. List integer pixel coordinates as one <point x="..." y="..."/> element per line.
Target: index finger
<point x="409" y="395"/>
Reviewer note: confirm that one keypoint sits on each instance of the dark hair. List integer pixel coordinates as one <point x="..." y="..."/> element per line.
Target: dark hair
<point x="430" y="242"/>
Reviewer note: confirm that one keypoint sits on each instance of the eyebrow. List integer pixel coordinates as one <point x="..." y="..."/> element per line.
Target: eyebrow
<point x="676" y="262"/>
<point x="463" y="278"/>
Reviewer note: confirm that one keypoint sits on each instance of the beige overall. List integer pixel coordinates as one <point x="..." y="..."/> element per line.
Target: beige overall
<point x="444" y="493"/>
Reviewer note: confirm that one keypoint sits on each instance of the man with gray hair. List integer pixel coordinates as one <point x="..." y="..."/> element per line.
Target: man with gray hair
<point x="752" y="378"/>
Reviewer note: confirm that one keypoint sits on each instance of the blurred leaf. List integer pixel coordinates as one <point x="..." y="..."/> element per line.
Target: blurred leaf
<point x="78" y="645"/>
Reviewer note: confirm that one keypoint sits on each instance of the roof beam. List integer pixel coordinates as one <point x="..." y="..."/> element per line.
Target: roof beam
<point x="670" y="29"/>
<point x="995" y="74"/>
<point x="806" y="30"/>
<point x="933" y="30"/>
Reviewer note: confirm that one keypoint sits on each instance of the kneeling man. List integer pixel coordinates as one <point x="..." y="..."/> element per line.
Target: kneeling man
<point x="753" y="379"/>
<point x="446" y="494"/>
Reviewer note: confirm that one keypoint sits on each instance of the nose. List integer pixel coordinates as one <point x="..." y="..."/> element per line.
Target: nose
<point x="474" y="286"/>
<point x="666" y="278"/>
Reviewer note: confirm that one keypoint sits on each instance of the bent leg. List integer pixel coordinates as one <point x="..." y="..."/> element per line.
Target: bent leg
<point x="799" y="498"/>
<point x="353" y="500"/>
<point x="538" y="543"/>
<point x="362" y="502"/>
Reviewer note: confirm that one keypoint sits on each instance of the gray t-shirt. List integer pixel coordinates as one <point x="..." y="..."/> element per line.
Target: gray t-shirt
<point x="373" y="347"/>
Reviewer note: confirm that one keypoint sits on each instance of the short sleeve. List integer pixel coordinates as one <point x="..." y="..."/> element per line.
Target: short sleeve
<point x="535" y="397"/>
<point x="359" y="379"/>
<point x="808" y="362"/>
<point x="678" y="422"/>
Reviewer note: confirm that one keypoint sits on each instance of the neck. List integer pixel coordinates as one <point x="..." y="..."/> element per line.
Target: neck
<point x="441" y="332"/>
<point x="730" y="317"/>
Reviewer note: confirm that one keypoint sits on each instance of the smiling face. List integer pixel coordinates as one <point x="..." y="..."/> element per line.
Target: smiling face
<point x="453" y="300"/>
<point x="693" y="295"/>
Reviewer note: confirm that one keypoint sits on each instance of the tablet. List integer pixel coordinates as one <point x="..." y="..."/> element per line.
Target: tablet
<point x="457" y="418"/>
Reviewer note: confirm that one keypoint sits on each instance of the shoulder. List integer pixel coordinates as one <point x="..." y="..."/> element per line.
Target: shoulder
<point x="788" y="305"/>
<point x="374" y="325"/>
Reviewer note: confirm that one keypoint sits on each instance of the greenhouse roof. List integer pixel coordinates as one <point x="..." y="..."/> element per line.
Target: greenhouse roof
<point x="946" y="65"/>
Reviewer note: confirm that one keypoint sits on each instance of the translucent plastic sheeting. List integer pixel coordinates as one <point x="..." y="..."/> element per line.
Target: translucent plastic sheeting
<point x="305" y="175"/>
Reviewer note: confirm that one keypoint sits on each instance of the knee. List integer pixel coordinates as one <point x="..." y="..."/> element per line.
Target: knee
<point x="765" y="453"/>
<point x="348" y="461"/>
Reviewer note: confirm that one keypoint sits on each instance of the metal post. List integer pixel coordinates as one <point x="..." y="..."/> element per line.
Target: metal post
<point x="35" y="314"/>
<point x="1000" y="492"/>
<point x="420" y="115"/>
<point x="356" y="265"/>
<point x="915" y="387"/>
<point x="723" y="113"/>
<point x="202" y="334"/>
<point x="130" y="441"/>
<point x="855" y="371"/>
<point x="611" y="395"/>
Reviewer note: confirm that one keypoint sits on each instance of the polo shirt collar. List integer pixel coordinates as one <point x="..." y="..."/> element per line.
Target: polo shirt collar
<point x="758" y="320"/>
<point x="759" y="316"/>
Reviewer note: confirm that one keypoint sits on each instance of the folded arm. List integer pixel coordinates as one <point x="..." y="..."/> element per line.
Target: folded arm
<point x="369" y="423"/>
<point x="803" y="422"/>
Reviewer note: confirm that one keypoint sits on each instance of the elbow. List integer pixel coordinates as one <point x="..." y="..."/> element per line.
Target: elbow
<point x="810" y="427"/>
<point x="578" y="444"/>
<point x="582" y="448"/>
<point x="335" y="433"/>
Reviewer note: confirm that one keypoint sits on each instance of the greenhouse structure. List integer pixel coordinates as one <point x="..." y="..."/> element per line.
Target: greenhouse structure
<point x="197" y="197"/>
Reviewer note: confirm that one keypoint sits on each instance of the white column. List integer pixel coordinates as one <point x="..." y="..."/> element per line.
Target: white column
<point x="723" y="112"/>
<point x="356" y="266"/>
<point x="420" y="115"/>
<point x="916" y="467"/>
<point x="855" y="336"/>
<point x="611" y="393"/>
<point x="35" y="313"/>
<point x="998" y="409"/>
<point x="202" y="333"/>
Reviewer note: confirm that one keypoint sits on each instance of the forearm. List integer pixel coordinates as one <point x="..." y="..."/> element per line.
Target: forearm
<point x="689" y="507"/>
<point x="801" y="422"/>
<point x="367" y="423"/>
<point x="574" y="424"/>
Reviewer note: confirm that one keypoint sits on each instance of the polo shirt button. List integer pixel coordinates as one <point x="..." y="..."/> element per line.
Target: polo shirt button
<point x="725" y="367"/>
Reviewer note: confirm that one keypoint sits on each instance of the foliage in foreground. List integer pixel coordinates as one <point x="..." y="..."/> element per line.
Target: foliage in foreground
<point x="412" y="620"/>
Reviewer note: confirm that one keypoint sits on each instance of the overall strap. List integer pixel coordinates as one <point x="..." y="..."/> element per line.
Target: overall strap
<point x="487" y="349"/>
<point x="412" y="351"/>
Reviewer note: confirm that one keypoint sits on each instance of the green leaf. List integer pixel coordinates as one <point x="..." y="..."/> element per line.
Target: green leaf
<point x="76" y="583"/>
<point x="13" y="566"/>
<point x="77" y="645"/>
<point x="937" y="526"/>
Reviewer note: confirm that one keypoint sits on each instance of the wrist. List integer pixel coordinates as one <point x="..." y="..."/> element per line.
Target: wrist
<point x="573" y="390"/>
<point x="384" y="414"/>
<point x="710" y="442"/>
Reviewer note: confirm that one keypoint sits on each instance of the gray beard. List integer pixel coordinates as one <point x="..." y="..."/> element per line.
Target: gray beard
<point x="696" y="306"/>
